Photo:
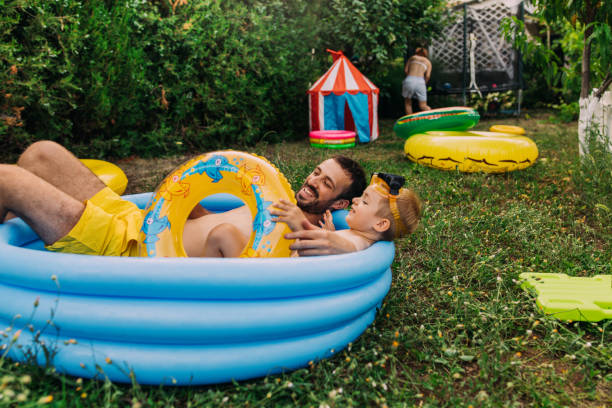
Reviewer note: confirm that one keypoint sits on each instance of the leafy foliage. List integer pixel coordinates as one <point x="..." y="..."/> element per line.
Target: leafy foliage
<point x="594" y="176"/>
<point x="595" y="19"/>
<point x="377" y="32"/>
<point x="555" y="66"/>
<point x="581" y="55"/>
<point x="152" y="77"/>
<point x="493" y="101"/>
<point x="134" y="77"/>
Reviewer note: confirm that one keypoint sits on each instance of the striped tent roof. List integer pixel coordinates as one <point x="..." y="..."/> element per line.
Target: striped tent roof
<point x="342" y="77"/>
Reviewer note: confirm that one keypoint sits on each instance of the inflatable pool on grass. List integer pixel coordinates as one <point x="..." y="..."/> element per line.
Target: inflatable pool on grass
<point x="471" y="151"/>
<point x="332" y="139"/>
<point x="452" y="118"/>
<point x="182" y="321"/>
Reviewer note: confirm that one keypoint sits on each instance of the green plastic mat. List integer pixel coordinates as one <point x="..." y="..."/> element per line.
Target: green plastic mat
<point x="571" y="298"/>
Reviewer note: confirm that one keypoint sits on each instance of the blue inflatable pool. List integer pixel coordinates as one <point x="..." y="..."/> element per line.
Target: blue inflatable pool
<point x="182" y="321"/>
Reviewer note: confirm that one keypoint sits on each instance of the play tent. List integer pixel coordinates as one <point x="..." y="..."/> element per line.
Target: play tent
<point x="344" y="99"/>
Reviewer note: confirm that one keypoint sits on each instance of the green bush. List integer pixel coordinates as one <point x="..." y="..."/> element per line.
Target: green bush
<point x="133" y="77"/>
<point x="391" y="102"/>
<point x="593" y="178"/>
<point x="73" y="70"/>
<point x="553" y="59"/>
<point x="565" y="112"/>
<point x="157" y="77"/>
<point x="241" y="78"/>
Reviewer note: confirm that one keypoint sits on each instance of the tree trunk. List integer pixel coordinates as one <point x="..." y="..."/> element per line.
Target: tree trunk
<point x="587" y="18"/>
<point x="585" y="87"/>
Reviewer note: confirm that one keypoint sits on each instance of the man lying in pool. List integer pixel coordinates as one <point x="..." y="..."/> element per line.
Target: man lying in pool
<point x="71" y="210"/>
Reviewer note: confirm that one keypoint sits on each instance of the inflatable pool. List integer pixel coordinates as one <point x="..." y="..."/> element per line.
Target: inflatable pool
<point x="332" y="139"/>
<point x="490" y="152"/>
<point x="452" y="118"/>
<point x="183" y="321"/>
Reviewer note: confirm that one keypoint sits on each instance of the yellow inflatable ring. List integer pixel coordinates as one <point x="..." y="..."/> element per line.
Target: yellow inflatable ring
<point x="514" y="130"/>
<point x="251" y="178"/>
<point x="110" y="174"/>
<point x="466" y="151"/>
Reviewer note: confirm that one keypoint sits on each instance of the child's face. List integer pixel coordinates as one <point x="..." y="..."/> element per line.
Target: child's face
<point x="362" y="216"/>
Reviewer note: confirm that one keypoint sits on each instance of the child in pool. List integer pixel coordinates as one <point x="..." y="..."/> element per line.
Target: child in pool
<point x="384" y="211"/>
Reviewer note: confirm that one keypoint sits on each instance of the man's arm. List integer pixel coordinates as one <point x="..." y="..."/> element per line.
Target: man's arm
<point x="311" y="241"/>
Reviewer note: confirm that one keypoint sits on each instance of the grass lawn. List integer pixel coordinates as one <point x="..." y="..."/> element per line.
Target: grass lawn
<point x="455" y="329"/>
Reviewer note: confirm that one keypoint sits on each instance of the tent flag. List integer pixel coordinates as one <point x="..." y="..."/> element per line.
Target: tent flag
<point x="341" y="95"/>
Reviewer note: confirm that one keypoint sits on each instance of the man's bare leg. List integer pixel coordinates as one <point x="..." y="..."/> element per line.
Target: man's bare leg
<point x="50" y="212"/>
<point x="56" y="165"/>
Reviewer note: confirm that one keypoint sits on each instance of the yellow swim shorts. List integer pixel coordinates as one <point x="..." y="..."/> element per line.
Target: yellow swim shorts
<point x="109" y="226"/>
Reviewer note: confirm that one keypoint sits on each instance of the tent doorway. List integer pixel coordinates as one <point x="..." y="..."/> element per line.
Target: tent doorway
<point x="349" y="122"/>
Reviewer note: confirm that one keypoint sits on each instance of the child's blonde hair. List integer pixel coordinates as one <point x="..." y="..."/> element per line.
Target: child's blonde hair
<point x="409" y="207"/>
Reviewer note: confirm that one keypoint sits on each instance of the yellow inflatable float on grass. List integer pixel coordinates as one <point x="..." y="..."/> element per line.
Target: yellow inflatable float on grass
<point x="110" y="174"/>
<point x="471" y="151"/>
<point x="515" y="130"/>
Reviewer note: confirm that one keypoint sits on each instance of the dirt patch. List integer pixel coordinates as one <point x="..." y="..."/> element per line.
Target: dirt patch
<point x="145" y="174"/>
<point x="570" y="377"/>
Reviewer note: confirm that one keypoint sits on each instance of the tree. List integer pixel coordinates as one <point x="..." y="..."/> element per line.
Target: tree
<point x="376" y="32"/>
<point x="595" y="16"/>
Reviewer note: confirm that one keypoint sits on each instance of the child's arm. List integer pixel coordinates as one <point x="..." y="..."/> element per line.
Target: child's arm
<point x="290" y="214"/>
<point x="313" y="241"/>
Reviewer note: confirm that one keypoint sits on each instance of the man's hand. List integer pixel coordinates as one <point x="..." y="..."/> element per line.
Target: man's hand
<point x="289" y="213"/>
<point x="313" y="241"/>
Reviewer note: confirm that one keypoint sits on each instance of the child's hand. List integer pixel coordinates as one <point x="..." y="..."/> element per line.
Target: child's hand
<point x="288" y="213"/>
<point x="327" y="223"/>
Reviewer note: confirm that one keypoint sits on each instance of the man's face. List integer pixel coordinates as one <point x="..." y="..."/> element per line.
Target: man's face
<point x="322" y="187"/>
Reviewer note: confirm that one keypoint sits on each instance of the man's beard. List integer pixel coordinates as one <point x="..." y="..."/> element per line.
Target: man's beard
<point x="316" y="206"/>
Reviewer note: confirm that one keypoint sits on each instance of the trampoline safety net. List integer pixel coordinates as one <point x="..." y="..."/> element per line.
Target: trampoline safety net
<point x="472" y="54"/>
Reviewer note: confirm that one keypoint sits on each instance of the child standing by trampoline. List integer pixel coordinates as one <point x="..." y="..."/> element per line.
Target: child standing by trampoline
<point x="418" y="71"/>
